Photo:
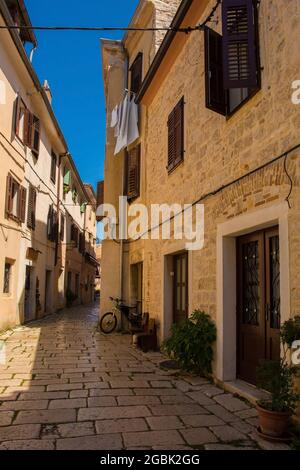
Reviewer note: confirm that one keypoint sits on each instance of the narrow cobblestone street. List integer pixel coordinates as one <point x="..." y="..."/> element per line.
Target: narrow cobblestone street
<point x="66" y="386"/>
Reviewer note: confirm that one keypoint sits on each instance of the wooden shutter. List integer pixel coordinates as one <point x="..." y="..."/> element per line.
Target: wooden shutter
<point x="28" y="127"/>
<point x="16" y="116"/>
<point x="31" y="218"/>
<point x="176" y="135"/>
<point x="35" y="143"/>
<point x="9" y="195"/>
<point x="133" y="172"/>
<point x="53" y="166"/>
<point x="214" y="81"/>
<point x="49" y="223"/>
<point x="22" y="204"/>
<point x="239" y="44"/>
<point x="137" y="73"/>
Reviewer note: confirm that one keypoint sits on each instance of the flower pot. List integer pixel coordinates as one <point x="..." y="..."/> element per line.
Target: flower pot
<point x="273" y="423"/>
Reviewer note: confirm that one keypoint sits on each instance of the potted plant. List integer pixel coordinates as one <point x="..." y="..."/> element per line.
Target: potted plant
<point x="277" y="378"/>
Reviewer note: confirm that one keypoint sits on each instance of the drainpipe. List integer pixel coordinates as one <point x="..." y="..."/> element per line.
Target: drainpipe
<point x="123" y="182"/>
<point x="58" y="209"/>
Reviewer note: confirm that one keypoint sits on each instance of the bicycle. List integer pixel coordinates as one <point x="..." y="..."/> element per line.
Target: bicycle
<point x="109" y="321"/>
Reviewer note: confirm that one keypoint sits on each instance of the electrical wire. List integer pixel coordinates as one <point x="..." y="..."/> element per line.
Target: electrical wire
<point x="225" y="186"/>
<point x="186" y="30"/>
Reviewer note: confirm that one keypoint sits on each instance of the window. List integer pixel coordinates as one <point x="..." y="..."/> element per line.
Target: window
<point x="133" y="172"/>
<point x="20" y="109"/>
<point x="27" y="127"/>
<point x="62" y="227"/>
<point x="137" y="286"/>
<point x="53" y="167"/>
<point x="176" y="136"/>
<point x="52" y="225"/>
<point x="137" y="73"/>
<point x="74" y="235"/>
<point x="232" y="66"/>
<point x="31" y="218"/>
<point x="7" y="278"/>
<point x="15" y="200"/>
<point x="82" y="243"/>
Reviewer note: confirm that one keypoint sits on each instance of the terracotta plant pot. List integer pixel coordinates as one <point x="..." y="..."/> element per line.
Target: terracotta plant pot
<point x="273" y="423"/>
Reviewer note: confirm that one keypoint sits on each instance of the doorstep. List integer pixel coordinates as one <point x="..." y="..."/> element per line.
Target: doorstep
<point x="245" y="390"/>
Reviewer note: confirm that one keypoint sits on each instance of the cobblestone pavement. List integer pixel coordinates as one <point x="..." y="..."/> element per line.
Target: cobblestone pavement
<point x="66" y="386"/>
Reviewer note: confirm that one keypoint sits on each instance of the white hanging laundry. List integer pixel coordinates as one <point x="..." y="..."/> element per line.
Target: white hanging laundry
<point x="133" y="121"/>
<point x="114" y="116"/>
<point x="123" y="121"/>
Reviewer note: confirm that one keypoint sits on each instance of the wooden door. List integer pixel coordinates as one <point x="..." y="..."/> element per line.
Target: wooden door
<point x="258" y="301"/>
<point x="180" y="287"/>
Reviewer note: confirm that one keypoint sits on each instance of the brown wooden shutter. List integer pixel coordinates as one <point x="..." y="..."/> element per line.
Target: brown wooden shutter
<point x="49" y="223"/>
<point x="133" y="172"/>
<point x="214" y="81"/>
<point x="239" y="44"/>
<point x="35" y="145"/>
<point x="16" y="116"/>
<point x="137" y="73"/>
<point x="28" y="127"/>
<point x="176" y="135"/>
<point x="31" y="217"/>
<point x="22" y="203"/>
<point x="9" y="190"/>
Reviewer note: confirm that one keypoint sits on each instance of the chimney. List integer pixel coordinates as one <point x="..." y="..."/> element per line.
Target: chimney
<point x="48" y="91"/>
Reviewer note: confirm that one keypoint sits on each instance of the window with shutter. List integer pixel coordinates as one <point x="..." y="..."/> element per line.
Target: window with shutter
<point x="15" y="200"/>
<point x="74" y="235"/>
<point x="239" y="68"/>
<point x="9" y="195"/>
<point x="22" y="204"/>
<point x="31" y="208"/>
<point x="35" y="139"/>
<point x="19" y="118"/>
<point x="53" y="167"/>
<point x="52" y="225"/>
<point x="215" y="93"/>
<point x="49" y="223"/>
<point x="133" y="172"/>
<point x="239" y="44"/>
<point x="137" y="73"/>
<point x="28" y="126"/>
<point x="176" y="136"/>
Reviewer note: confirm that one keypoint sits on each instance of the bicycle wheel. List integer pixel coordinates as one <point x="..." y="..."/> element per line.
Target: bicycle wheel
<point x="108" y="323"/>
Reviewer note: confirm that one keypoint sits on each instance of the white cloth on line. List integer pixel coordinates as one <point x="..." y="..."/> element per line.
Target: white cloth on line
<point x="133" y="121"/>
<point x="125" y="120"/>
<point x="114" y="117"/>
<point x="123" y="125"/>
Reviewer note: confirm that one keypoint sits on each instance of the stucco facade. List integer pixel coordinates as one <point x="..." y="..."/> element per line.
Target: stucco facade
<point x="227" y="166"/>
<point x="34" y="263"/>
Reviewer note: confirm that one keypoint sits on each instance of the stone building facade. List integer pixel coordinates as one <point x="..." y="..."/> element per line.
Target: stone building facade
<point x="243" y="167"/>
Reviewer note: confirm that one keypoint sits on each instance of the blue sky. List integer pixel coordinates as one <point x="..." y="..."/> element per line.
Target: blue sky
<point x="71" y="62"/>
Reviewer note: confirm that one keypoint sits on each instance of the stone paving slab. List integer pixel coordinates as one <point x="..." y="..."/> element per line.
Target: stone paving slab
<point x="68" y="387"/>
